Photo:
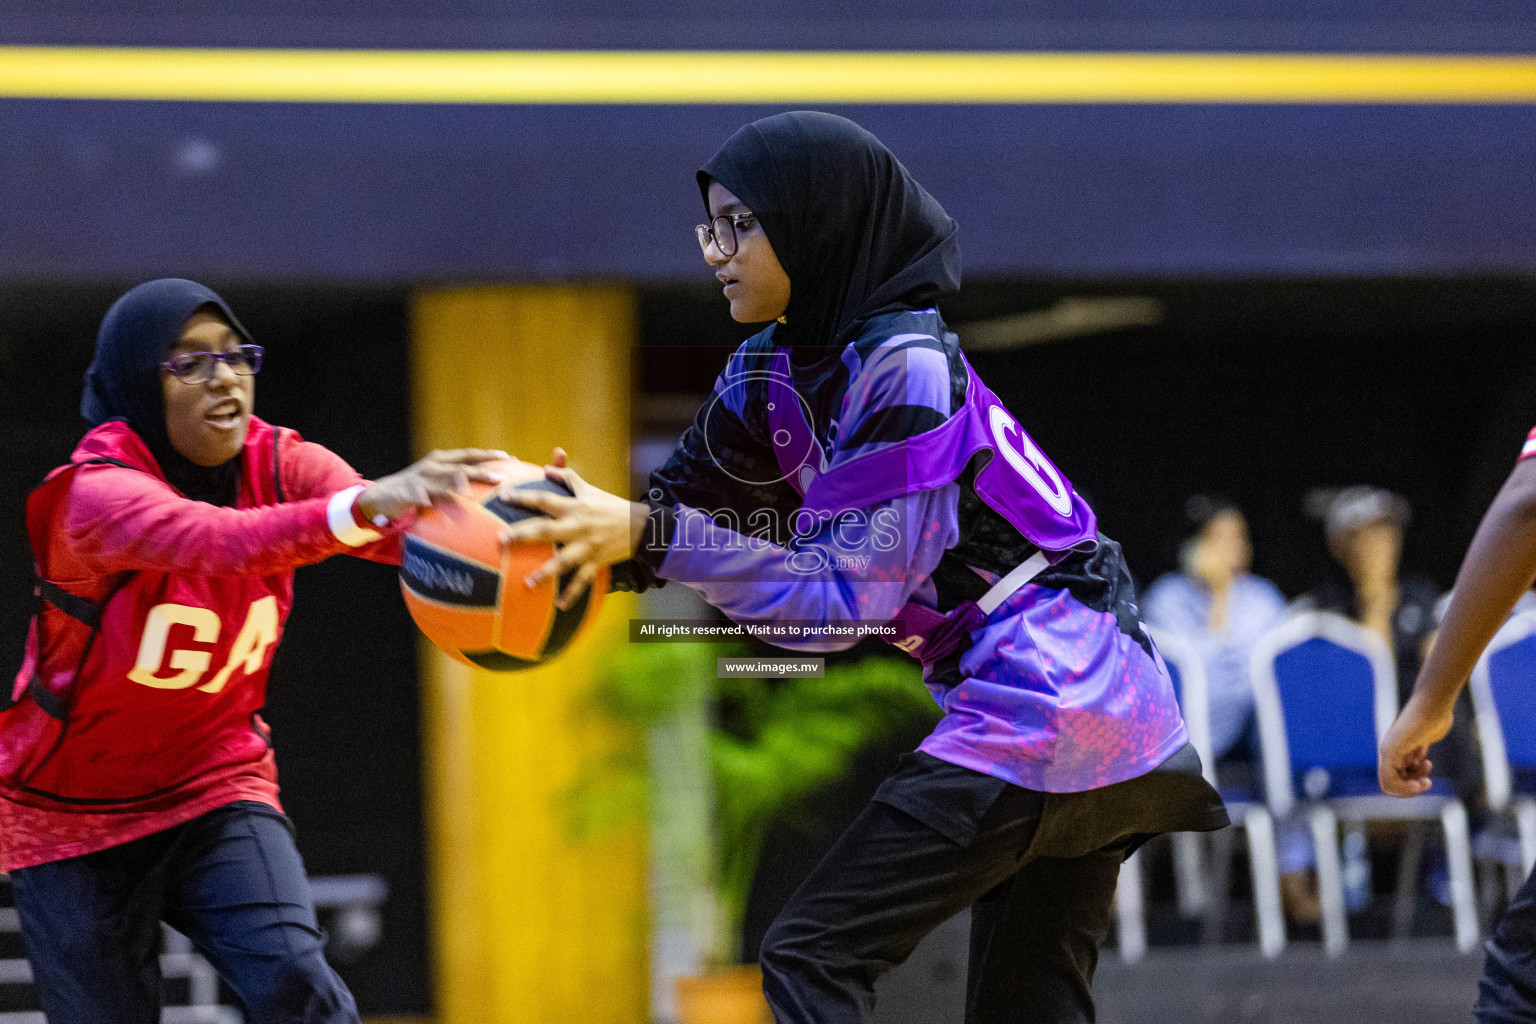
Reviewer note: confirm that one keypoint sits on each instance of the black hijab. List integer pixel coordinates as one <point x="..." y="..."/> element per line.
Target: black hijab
<point x="856" y="233"/>
<point x="123" y="382"/>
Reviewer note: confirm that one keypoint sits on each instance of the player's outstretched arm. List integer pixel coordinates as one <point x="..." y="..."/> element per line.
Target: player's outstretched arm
<point x="1499" y="567"/>
<point x="755" y="582"/>
<point x="121" y="520"/>
<point x="429" y="481"/>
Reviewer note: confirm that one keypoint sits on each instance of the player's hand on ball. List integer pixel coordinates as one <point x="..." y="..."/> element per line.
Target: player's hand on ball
<point x="433" y="480"/>
<point x="589" y="530"/>
<point x="1403" y="764"/>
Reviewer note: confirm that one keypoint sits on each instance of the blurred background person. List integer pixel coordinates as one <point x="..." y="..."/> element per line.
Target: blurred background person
<point x="1215" y="603"/>
<point x="1218" y="605"/>
<point x="1364" y="529"/>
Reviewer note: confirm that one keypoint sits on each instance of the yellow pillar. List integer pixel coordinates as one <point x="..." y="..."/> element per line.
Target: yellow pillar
<point x="530" y="923"/>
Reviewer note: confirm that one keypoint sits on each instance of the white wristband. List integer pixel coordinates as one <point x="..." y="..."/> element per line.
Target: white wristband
<point x="338" y="513"/>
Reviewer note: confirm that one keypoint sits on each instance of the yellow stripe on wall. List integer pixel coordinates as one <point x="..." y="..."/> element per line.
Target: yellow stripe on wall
<point x="688" y="77"/>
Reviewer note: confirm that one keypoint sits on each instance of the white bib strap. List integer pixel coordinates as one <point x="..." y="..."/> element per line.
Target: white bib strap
<point x="1022" y="573"/>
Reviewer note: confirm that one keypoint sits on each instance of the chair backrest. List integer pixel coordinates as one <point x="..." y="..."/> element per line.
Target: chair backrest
<point x="1324" y="692"/>
<point x="1504" y="699"/>
<point x="1187" y="669"/>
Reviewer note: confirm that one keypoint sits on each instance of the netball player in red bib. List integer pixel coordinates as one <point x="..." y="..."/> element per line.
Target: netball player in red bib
<point x="137" y="780"/>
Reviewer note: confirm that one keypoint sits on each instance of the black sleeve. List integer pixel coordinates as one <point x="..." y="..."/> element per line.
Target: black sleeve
<point x="639" y="573"/>
<point x="718" y="463"/>
<point x="633" y="576"/>
<point x="720" y="467"/>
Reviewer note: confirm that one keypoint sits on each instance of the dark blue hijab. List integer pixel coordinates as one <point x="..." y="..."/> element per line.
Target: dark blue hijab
<point x="123" y="382"/>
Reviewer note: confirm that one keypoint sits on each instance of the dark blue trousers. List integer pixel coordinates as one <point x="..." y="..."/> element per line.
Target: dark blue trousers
<point x="1507" y="993"/>
<point x="1038" y="871"/>
<point x="230" y="880"/>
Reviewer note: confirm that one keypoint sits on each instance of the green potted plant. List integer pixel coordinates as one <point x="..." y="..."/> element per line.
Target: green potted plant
<point x="712" y="791"/>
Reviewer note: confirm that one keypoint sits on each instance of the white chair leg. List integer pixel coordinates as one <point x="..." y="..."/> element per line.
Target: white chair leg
<point x="1265" y="868"/>
<point x="1330" y="879"/>
<point x="1130" y="912"/>
<point x="204" y="988"/>
<point x="1458" y="859"/>
<point x="1189" y="873"/>
<point x="1525" y="821"/>
<point x="174" y="943"/>
<point x="202" y="980"/>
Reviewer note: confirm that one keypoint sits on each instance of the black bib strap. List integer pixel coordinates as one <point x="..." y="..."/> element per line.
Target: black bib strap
<point x="53" y="705"/>
<point x="88" y="613"/>
<point x="277" y="466"/>
<point x="75" y="607"/>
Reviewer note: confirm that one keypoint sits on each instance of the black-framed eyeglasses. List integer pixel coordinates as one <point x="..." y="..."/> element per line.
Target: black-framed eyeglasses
<point x="199" y="367"/>
<point x="722" y="232"/>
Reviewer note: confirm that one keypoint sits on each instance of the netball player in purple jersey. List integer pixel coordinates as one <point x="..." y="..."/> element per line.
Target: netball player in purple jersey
<point x="851" y="467"/>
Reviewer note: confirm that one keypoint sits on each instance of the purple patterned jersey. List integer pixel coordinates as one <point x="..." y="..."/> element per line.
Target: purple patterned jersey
<point x="1059" y="690"/>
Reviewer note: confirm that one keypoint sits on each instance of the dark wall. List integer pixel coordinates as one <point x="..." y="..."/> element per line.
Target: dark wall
<point x="410" y="193"/>
<point x="342" y="698"/>
<point x="1433" y="25"/>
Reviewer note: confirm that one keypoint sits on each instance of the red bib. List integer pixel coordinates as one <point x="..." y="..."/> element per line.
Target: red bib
<point x="138" y="683"/>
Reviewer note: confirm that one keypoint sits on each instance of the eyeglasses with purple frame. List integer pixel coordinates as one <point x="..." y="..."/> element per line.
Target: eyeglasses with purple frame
<point x="198" y="367"/>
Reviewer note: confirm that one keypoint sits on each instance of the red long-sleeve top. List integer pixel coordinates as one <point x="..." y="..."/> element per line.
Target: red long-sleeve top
<point x="155" y="718"/>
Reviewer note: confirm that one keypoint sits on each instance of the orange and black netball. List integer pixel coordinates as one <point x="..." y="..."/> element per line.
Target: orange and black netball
<point x="465" y="588"/>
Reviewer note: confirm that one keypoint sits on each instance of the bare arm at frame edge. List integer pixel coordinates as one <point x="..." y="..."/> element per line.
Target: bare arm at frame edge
<point x="1499" y="567"/>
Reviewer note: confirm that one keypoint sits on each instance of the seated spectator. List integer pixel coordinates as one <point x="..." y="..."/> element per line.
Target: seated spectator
<point x="1364" y="527"/>
<point x="1220" y="607"/>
